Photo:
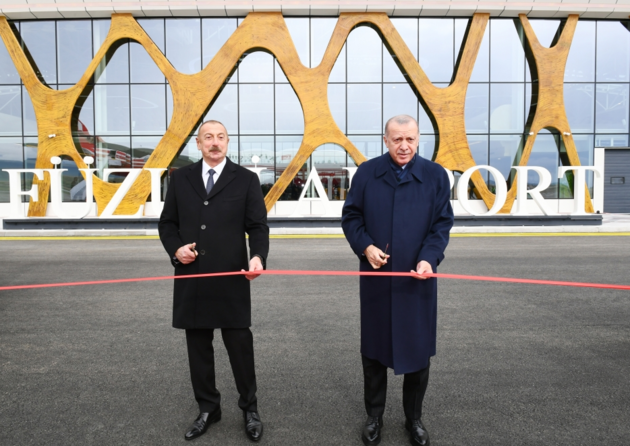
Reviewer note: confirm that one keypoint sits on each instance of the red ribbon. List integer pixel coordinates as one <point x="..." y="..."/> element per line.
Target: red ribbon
<point x="329" y="273"/>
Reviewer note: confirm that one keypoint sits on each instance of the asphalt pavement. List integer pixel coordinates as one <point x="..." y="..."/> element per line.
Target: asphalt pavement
<point x="516" y="364"/>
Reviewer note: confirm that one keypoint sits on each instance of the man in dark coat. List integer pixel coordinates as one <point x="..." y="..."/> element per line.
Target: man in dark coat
<point x="209" y="207"/>
<point x="397" y="217"/>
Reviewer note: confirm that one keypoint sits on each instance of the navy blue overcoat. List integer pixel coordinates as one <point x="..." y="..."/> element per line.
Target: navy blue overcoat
<point x="413" y="217"/>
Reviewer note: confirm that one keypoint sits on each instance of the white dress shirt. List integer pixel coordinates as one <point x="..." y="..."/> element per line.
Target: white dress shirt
<point x="217" y="171"/>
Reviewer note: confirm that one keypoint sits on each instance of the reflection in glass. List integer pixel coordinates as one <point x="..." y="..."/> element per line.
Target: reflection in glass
<point x="141" y="149"/>
<point x="480" y="71"/>
<point x="215" y="32"/>
<point x="545" y="154"/>
<point x="427" y="145"/>
<point x="256" y="67"/>
<point x="479" y="148"/>
<point x="337" y="103"/>
<point x="364" y="55"/>
<point x="191" y="154"/>
<point x="83" y="115"/>
<point x="613" y="52"/>
<point x="503" y="155"/>
<point x="38" y="37"/>
<point x="72" y="182"/>
<point x="286" y="149"/>
<point x="183" y="44"/>
<point x="506" y="108"/>
<point x="263" y="148"/>
<point x="545" y="30"/>
<point x="10" y="158"/>
<point x="299" y="30"/>
<point x="289" y="114"/>
<point x="476" y="109"/>
<point x="225" y="109"/>
<point x="581" y="61"/>
<point x="370" y="146"/>
<point x="364" y="108"/>
<point x="111" y="109"/>
<point x="579" y="105"/>
<point x="74" y="49"/>
<point x="399" y="99"/>
<point x="506" y="52"/>
<point x="10" y="111"/>
<point x="114" y="67"/>
<point x="611" y="108"/>
<point x="8" y="73"/>
<point x="436" y="48"/>
<point x="585" y="150"/>
<point x="611" y="140"/>
<point x="113" y="153"/>
<point x="143" y="68"/>
<point x="29" y="121"/>
<point x="408" y="30"/>
<point x="256" y="109"/>
<point x="329" y="160"/>
<point x="148" y="109"/>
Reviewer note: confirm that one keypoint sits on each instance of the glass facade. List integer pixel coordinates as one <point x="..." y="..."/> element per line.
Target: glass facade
<point x="126" y="108"/>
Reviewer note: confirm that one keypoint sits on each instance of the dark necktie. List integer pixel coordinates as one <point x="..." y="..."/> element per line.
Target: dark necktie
<point x="210" y="181"/>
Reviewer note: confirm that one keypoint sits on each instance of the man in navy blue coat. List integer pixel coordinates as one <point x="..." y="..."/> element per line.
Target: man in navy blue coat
<point x="397" y="217"/>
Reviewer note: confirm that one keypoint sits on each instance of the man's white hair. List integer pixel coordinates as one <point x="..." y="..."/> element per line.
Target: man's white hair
<point x="401" y="119"/>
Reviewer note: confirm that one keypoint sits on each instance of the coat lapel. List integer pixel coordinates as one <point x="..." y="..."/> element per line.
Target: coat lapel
<point x="384" y="171"/>
<point x="228" y="174"/>
<point x="194" y="176"/>
<point x="415" y="172"/>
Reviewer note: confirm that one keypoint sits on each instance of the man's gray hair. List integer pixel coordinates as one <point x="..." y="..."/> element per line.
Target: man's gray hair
<point x="212" y="121"/>
<point x="401" y="119"/>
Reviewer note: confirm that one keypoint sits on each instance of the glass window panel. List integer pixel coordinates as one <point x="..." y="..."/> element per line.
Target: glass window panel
<point x="338" y="72"/>
<point x="256" y="109"/>
<point x="141" y="149"/>
<point x="300" y="32"/>
<point x="111" y="109"/>
<point x="545" y="154"/>
<point x="74" y="49"/>
<point x="370" y="146"/>
<point x="503" y="152"/>
<point x="148" y="109"/>
<point x="476" y="111"/>
<point x="263" y="148"/>
<point x="286" y="149"/>
<point x="215" y="33"/>
<point x="30" y="157"/>
<point x="581" y="61"/>
<point x="29" y="121"/>
<point x="183" y="44"/>
<point x="114" y="67"/>
<point x="364" y="55"/>
<point x="281" y="78"/>
<point x="10" y="111"/>
<point x="321" y="32"/>
<point x="191" y="154"/>
<point x="479" y="148"/>
<point x="585" y="149"/>
<point x="579" y="105"/>
<point x="84" y="144"/>
<point x="225" y="109"/>
<point x="613" y="52"/>
<point x="611" y="111"/>
<point x="480" y="71"/>
<point x="506" y="108"/>
<point x="256" y="67"/>
<point x="408" y="30"/>
<point x="545" y="30"/>
<point x="8" y="72"/>
<point x="399" y="99"/>
<point x="72" y="182"/>
<point x="329" y="160"/>
<point x="611" y="140"/>
<point x="100" y="28"/>
<point x="435" y="50"/>
<point x="83" y="114"/>
<point x="427" y="145"/>
<point x="423" y="117"/>
<point x="364" y="108"/>
<point x="10" y="158"/>
<point x="143" y="68"/>
<point x="39" y="38"/>
<point x="113" y="152"/>
<point x="337" y="103"/>
<point x="289" y="114"/>
<point x="506" y="52"/>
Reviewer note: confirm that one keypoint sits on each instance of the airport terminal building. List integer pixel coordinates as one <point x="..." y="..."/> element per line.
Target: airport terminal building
<point x="306" y="87"/>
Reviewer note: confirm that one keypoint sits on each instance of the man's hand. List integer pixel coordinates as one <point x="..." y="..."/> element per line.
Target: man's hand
<point x="254" y="265"/>
<point x="186" y="254"/>
<point x="375" y="256"/>
<point x="423" y="268"/>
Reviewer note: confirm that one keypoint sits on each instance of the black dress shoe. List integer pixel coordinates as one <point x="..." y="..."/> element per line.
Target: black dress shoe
<point x="419" y="435"/>
<point x="253" y="425"/>
<point x="201" y="424"/>
<point x="372" y="430"/>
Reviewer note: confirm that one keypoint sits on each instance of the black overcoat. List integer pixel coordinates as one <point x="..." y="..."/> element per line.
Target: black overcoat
<point x="217" y="223"/>
<point x="412" y="219"/>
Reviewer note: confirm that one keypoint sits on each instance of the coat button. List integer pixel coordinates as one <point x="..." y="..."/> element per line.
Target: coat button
<point x="203" y="226"/>
<point x="202" y="252"/>
<point x="206" y="203"/>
